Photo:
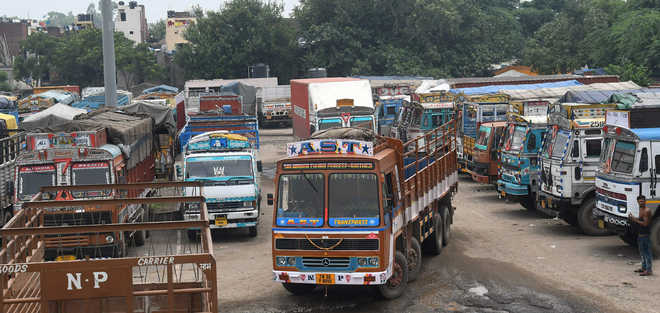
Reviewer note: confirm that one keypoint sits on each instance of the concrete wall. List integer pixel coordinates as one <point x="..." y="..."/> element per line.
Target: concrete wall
<point x="15" y="33"/>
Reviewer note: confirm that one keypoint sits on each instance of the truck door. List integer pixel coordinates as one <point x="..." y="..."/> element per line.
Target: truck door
<point x="654" y="172"/>
<point x="591" y="150"/>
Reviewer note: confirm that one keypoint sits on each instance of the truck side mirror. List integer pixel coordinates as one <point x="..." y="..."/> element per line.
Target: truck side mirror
<point x="179" y="171"/>
<point x="10" y="188"/>
<point x="259" y="167"/>
<point x="578" y="173"/>
<point x="269" y="199"/>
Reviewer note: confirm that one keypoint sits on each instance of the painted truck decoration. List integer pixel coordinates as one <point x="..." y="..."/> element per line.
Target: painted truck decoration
<point x="227" y="165"/>
<point x="350" y="212"/>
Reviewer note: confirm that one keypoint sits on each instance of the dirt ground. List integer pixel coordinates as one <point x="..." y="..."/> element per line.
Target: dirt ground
<point x="502" y="258"/>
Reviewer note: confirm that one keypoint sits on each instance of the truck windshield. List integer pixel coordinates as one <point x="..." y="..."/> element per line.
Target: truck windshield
<point x="517" y="138"/>
<point x="219" y="167"/>
<point x="362" y="122"/>
<point x="329" y="123"/>
<point x="32" y="178"/>
<point x="547" y="142"/>
<point x="623" y="157"/>
<point x="606" y="152"/>
<point x="353" y="200"/>
<point x="95" y="173"/>
<point x="300" y="199"/>
<point x="559" y="144"/>
<point x="482" y="138"/>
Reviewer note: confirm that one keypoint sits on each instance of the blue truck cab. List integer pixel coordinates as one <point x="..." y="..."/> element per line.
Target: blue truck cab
<point x="519" y="172"/>
<point x="228" y="166"/>
<point x="387" y="111"/>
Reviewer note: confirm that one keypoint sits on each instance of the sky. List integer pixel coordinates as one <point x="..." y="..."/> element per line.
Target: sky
<point x="155" y="9"/>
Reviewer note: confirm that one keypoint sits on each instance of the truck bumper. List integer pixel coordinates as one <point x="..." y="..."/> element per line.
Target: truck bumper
<point x="361" y="278"/>
<point x="506" y="188"/>
<point x="553" y="205"/>
<point x="228" y="220"/>
<point x="611" y="222"/>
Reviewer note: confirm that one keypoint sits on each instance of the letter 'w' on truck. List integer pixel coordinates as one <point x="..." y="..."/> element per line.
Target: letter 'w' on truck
<point x="351" y="209"/>
<point x="519" y="160"/>
<point x="323" y="103"/>
<point x="629" y="167"/>
<point x="569" y="160"/>
<point x="476" y="110"/>
<point x="227" y="165"/>
<point x="155" y="278"/>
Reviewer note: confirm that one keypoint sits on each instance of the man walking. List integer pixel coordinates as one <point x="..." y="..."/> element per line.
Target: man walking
<point x="643" y="240"/>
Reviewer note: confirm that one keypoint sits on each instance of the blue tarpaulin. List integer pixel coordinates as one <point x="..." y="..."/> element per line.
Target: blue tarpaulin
<point x="493" y="89"/>
<point x="160" y="88"/>
<point x="92" y="103"/>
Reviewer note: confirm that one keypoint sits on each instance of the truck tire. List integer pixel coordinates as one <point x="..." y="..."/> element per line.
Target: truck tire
<point x="253" y="231"/>
<point x="414" y="259"/>
<point x="446" y="227"/>
<point x="570" y="217"/>
<point x="299" y="289"/>
<point x="586" y="221"/>
<point x="629" y="238"/>
<point x="529" y="203"/>
<point x="397" y="283"/>
<point x="655" y="236"/>
<point x="434" y="243"/>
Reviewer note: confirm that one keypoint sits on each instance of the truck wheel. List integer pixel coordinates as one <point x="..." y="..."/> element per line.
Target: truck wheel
<point x="433" y="243"/>
<point x="414" y="259"/>
<point x="193" y="235"/>
<point x="299" y="289"/>
<point x="570" y="217"/>
<point x="530" y="202"/>
<point x="446" y="228"/>
<point x="629" y="238"/>
<point x="655" y="236"/>
<point x="396" y="285"/>
<point x="253" y="231"/>
<point x="586" y="220"/>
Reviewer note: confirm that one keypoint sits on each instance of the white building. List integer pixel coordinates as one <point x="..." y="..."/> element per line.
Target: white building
<point x="132" y="21"/>
<point x="177" y="24"/>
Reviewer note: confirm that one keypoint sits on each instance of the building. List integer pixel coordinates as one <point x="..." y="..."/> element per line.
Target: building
<point x="177" y="23"/>
<point x="83" y="21"/>
<point x="195" y="87"/>
<point x="14" y="32"/>
<point x="132" y="21"/>
<point x="514" y="71"/>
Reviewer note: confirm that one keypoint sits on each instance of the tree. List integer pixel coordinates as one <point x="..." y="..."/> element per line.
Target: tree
<point x="36" y="59"/>
<point x="4" y="81"/>
<point x="630" y="71"/>
<point x="136" y="64"/>
<point x="156" y="31"/>
<point x="59" y="19"/>
<point x="242" y="33"/>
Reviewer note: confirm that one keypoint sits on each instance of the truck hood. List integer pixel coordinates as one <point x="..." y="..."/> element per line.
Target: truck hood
<point x="230" y="193"/>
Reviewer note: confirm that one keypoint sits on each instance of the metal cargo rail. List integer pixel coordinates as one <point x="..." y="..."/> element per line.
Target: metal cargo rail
<point x="165" y="274"/>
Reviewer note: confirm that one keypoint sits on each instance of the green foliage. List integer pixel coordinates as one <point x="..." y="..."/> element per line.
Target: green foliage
<point x="243" y="33"/>
<point x="630" y="71"/>
<point x="4" y="81"/>
<point x="59" y="19"/>
<point x="77" y="58"/>
<point x="156" y="31"/>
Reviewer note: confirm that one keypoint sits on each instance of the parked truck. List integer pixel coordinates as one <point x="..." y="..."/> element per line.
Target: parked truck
<point x="105" y="148"/>
<point x="352" y="208"/>
<point x="527" y="125"/>
<point x="629" y="167"/>
<point x="474" y="111"/>
<point x="569" y="160"/>
<point x="227" y="165"/>
<point x="485" y="165"/>
<point x="387" y="111"/>
<point x="274" y="105"/>
<point x="322" y="103"/>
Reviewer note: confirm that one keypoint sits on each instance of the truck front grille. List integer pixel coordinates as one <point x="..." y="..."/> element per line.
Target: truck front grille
<point x="326" y="262"/>
<point x="75" y="219"/>
<point x="346" y="244"/>
<point x="216" y="207"/>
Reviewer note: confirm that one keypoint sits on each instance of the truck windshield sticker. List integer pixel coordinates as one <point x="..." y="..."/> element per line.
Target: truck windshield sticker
<point x="330" y="165"/>
<point x="309" y="222"/>
<point x="219" y="171"/>
<point x="349" y="221"/>
<point x="329" y="146"/>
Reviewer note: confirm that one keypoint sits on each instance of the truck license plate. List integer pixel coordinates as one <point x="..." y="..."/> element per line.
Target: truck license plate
<point x="325" y="279"/>
<point x="601" y="224"/>
<point x="65" y="258"/>
<point x="220" y="221"/>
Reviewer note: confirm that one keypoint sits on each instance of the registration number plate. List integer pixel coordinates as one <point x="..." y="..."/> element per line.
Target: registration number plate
<point x="325" y="279"/>
<point x="601" y="224"/>
<point x="549" y="202"/>
<point x="220" y="221"/>
<point x="65" y="258"/>
<point x="503" y="193"/>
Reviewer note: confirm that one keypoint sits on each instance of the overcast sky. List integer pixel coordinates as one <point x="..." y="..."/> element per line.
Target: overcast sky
<point x="155" y="9"/>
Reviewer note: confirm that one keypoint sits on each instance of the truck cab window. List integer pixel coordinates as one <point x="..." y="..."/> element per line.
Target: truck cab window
<point x="593" y="147"/>
<point x="644" y="161"/>
<point x="575" y="152"/>
<point x="657" y="162"/>
<point x="531" y="142"/>
<point x="388" y="193"/>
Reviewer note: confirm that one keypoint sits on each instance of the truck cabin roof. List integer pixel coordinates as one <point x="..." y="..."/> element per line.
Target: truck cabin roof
<point x="356" y="110"/>
<point x="633" y="134"/>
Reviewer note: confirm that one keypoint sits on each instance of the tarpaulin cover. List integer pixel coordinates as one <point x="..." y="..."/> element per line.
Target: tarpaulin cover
<point x="163" y="116"/>
<point x="591" y="96"/>
<point x="160" y="88"/>
<point x="57" y="114"/>
<point x="634" y="99"/>
<point x="558" y="92"/>
<point x="247" y="92"/>
<point x="493" y="89"/>
<point x="92" y="103"/>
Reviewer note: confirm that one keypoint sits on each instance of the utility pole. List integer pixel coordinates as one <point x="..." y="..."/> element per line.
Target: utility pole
<point x="109" y="71"/>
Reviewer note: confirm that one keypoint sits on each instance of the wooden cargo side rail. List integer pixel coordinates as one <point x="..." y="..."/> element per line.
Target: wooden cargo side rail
<point x="24" y="235"/>
<point x="433" y="161"/>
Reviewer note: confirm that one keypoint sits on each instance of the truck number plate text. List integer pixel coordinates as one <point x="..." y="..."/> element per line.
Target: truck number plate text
<point x="325" y="279"/>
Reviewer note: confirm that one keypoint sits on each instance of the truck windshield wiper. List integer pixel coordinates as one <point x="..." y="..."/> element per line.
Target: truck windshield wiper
<point x="309" y="181"/>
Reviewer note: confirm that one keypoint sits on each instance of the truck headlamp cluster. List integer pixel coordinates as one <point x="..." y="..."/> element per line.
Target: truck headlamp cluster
<point x="368" y="262"/>
<point x="109" y="239"/>
<point x="622" y="208"/>
<point x="247" y="204"/>
<point x="285" y="261"/>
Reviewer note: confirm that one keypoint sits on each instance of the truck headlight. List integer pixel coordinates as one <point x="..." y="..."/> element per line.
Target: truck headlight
<point x="373" y="261"/>
<point x="247" y="204"/>
<point x="622" y="208"/>
<point x="285" y="260"/>
<point x="109" y="239"/>
<point x="364" y="262"/>
<point x="193" y="206"/>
